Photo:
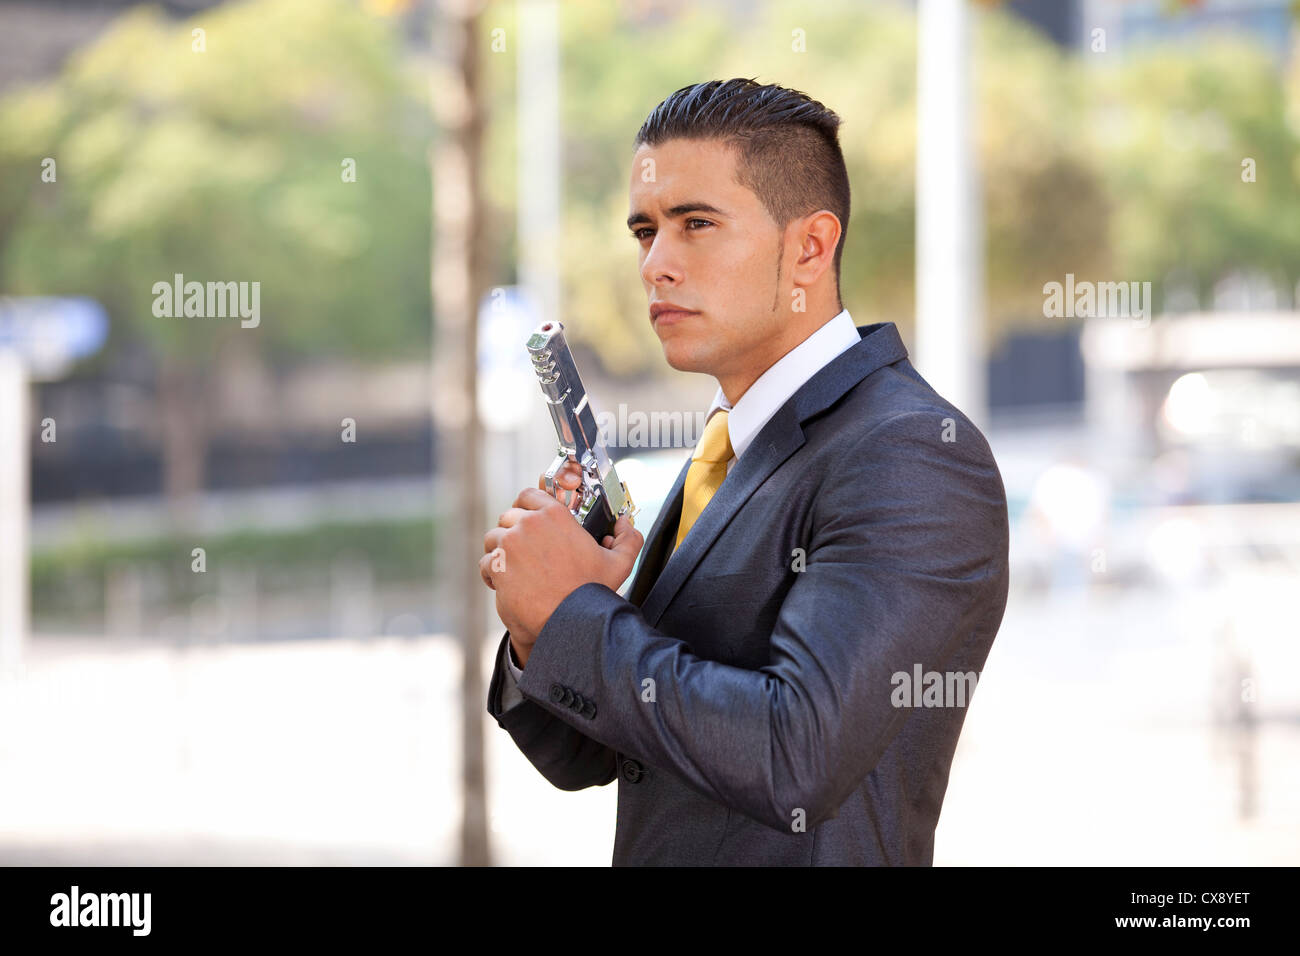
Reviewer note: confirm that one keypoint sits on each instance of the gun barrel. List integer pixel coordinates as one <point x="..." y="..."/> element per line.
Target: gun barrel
<point x="572" y="414"/>
<point x="566" y="398"/>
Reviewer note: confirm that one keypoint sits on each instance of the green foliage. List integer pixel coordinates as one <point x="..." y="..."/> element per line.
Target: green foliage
<point x="1046" y="209"/>
<point x="224" y="165"/>
<point x="70" y="580"/>
<point x="1173" y="127"/>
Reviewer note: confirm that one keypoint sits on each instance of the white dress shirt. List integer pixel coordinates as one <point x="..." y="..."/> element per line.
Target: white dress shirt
<point x="751" y="412"/>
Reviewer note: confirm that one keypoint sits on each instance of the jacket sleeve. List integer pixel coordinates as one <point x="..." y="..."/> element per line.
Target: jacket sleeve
<point x="908" y="552"/>
<point x="562" y="754"/>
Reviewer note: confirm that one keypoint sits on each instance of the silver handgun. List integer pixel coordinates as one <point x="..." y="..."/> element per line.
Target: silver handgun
<point x="602" y="497"/>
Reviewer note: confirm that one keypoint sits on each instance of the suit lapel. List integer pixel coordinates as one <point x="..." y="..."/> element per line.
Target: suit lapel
<point x="780" y="438"/>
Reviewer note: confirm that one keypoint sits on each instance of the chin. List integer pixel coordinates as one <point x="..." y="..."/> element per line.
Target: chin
<point x="681" y="358"/>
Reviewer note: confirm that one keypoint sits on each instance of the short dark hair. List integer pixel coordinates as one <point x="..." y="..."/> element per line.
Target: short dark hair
<point x="788" y="149"/>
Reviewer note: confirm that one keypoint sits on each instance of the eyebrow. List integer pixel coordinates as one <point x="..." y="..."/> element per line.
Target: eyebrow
<point x="675" y="212"/>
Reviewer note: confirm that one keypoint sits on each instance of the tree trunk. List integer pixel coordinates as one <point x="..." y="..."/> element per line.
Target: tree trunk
<point x="458" y="283"/>
<point x="184" y="439"/>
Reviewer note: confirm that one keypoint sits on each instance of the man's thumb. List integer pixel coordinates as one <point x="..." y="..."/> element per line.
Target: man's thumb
<point x="626" y="538"/>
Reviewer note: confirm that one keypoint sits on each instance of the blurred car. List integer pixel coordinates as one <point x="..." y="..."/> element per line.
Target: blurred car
<point x="649" y="476"/>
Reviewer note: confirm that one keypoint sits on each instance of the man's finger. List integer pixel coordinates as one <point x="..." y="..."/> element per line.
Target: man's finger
<point x="626" y="539"/>
<point x="567" y="480"/>
<point x="484" y="570"/>
<point x="534" y="499"/>
<point x="569" y="477"/>
<point x="492" y="540"/>
<point x="510" y="517"/>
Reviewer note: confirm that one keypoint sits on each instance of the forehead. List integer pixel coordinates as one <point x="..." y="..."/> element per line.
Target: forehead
<point x="680" y="169"/>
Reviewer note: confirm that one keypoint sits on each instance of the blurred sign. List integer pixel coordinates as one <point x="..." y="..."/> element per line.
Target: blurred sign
<point x="49" y="334"/>
<point x="508" y="392"/>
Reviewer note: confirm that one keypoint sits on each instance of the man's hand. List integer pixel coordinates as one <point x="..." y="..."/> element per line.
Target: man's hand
<point x="539" y="554"/>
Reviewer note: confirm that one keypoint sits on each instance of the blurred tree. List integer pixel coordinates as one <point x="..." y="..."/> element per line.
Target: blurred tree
<point x="1174" y="127"/>
<point x="227" y="164"/>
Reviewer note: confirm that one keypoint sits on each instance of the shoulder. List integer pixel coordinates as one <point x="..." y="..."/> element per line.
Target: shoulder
<point x="893" y="445"/>
<point x="894" y="405"/>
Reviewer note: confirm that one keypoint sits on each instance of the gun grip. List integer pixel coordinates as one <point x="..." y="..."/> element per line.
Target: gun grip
<point x="596" y="523"/>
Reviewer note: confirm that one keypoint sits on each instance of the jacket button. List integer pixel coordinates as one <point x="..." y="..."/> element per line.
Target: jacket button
<point x="567" y="699"/>
<point x="633" y="771"/>
<point x="577" y="703"/>
<point x="557" y="693"/>
<point x="589" y="710"/>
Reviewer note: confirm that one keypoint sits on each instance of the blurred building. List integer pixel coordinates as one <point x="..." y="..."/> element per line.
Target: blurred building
<point x="1136" y="23"/>
<point x="39" y="35"/>
<point x="1061" y="20"/>
<point x="1201" y="408"/>
<point x="271" y="427"/>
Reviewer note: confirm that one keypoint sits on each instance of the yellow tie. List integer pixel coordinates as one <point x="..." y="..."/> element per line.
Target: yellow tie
<point x="708" y="468"/>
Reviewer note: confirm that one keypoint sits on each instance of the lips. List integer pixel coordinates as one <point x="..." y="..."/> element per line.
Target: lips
<point x="665" y="312"/>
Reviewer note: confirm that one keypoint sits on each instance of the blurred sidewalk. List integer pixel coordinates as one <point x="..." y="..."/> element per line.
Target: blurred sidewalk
<point x="328" y="752"/>
<point x="1091" y="740"/>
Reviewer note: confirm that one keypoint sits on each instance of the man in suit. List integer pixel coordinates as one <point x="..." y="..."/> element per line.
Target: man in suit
<point x="787" y="677"/>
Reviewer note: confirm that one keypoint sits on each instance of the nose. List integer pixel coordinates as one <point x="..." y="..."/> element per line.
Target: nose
<point x="660" y="264"/>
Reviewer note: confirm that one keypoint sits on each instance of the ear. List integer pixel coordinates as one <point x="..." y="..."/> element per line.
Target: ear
<point x="819" y="235"/>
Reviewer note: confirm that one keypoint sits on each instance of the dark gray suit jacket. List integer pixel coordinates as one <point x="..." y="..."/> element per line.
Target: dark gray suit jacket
<point x="746" y="698"/>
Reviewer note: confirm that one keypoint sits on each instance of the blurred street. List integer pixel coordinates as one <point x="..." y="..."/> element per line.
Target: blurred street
<point x="1092" y="739"/>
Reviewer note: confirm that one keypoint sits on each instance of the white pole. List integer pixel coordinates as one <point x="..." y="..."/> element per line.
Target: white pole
<point x="14" y="504"/>
<point x="538" y="153"/>
<point x="539" y="228"/>
<point x="949" y="226"/>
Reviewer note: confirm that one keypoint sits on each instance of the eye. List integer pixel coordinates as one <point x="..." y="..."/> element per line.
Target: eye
<point x="637" y="233"/>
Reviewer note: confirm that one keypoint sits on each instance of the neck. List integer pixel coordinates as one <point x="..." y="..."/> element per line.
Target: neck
<point x="735" y="384"/>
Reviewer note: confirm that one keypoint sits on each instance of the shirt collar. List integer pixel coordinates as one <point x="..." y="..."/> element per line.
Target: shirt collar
<point x="787" y="375"/>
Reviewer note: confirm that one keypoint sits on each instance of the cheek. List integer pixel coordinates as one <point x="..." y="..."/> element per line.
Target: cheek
<point x="744" y="274"/>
